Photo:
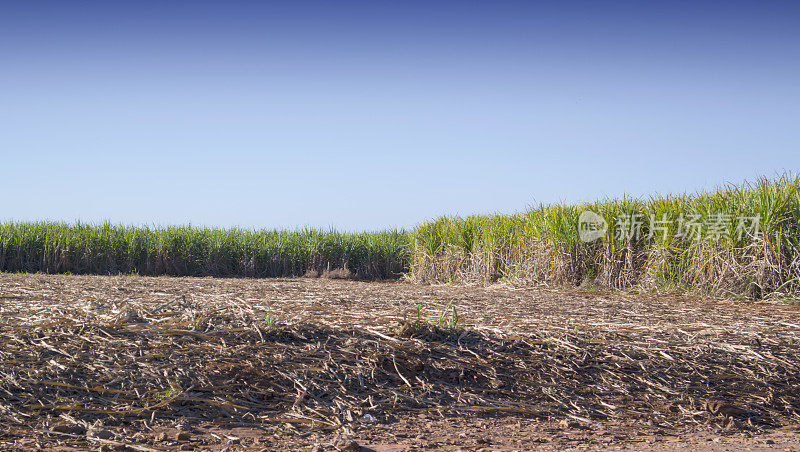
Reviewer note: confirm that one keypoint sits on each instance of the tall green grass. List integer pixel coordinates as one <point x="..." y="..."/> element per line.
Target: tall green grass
<point x="543" y="246"/>
<point x="540" y="246"/>
<point x="186" y="251"/>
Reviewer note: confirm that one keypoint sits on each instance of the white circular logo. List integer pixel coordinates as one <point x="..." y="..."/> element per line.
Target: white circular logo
<point x="591" y="226"/>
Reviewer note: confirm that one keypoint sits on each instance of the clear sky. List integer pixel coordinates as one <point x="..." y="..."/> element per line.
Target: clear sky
<point x="364" y="115"/>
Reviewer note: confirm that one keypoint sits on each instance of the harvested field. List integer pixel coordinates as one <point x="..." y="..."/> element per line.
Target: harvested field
<point x="161" y="363"/>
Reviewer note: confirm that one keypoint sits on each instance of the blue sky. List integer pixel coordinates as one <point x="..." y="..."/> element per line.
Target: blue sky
<point x="364" y="115"/>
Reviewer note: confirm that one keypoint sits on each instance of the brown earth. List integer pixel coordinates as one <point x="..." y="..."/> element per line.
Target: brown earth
<point x="142" y="363"/>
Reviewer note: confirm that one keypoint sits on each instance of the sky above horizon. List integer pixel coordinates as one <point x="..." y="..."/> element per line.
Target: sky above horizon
<point x="365" y="115"/>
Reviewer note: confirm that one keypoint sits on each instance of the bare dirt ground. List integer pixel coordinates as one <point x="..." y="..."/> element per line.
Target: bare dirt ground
<point x="140" y="363"/>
